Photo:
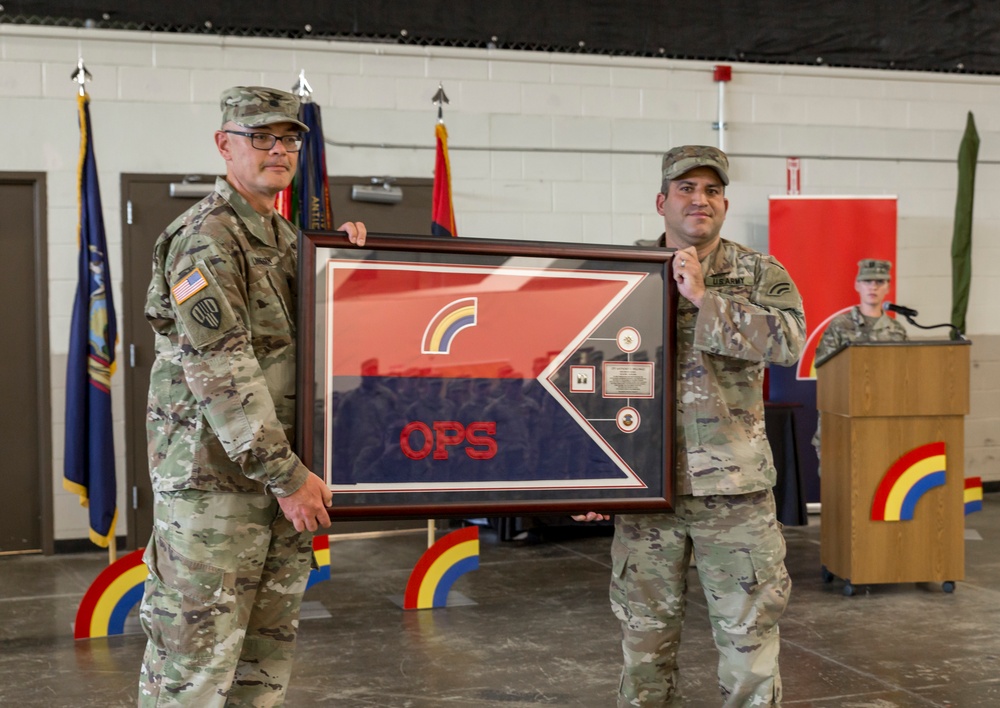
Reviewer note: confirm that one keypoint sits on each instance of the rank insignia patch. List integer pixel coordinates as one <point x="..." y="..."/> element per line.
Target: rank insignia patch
<point x="191" y="284"/>
<point x="206" y="313"/>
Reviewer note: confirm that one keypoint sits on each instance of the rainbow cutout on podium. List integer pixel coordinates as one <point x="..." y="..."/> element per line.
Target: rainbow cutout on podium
<point x="439" y="567"/>
<point x="907" y="480"/>
<point x="973" y="494"/>
<point x="449" y="321"/>
<point x="118" y="589"/>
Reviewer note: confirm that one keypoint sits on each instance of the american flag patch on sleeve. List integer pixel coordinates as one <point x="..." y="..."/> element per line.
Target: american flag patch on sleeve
<point x="192" y="283"/>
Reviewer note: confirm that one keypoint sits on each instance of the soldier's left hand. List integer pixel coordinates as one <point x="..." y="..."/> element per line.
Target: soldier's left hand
<point x="687" y="273"/>
<point x="356" y="231"/>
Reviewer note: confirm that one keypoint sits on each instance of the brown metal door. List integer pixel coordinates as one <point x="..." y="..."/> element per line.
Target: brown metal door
<point x="149" y="209"/>
<point x="26" y="470"/>
<point x="411" y="215"/>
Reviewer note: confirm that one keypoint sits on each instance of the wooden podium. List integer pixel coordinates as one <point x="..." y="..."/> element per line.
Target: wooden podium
<point x="892" y="462"/>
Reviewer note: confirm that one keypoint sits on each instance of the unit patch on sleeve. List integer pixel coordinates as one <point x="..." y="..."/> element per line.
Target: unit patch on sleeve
<point x="775" y="288"/>
<point x="206" y="312"/>
<point x="188" y="286"/>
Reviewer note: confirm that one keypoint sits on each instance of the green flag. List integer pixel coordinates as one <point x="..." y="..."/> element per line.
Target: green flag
<point x="961" y="240"/>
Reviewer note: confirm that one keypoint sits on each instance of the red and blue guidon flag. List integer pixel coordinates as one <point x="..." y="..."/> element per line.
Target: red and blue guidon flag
<point x="89" y="468"/>
<point x="442" y="211"/>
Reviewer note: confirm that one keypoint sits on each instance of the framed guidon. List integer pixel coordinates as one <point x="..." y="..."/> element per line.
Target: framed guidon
<point x="469" y="377"/>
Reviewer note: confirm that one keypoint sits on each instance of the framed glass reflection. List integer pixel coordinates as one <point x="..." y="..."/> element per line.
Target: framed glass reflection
<point x="469" y="377"/>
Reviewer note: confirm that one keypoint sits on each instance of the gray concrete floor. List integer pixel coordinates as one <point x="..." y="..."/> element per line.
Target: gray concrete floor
<point x="539" y="634"/>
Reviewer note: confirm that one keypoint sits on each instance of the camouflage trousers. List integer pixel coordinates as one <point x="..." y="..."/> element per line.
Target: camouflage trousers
<point x="739" y="552"/>
<point x="221" y="603"/>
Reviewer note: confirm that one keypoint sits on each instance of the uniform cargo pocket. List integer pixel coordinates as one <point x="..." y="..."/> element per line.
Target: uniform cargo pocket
<point x="768" y="557"/>
<point x="190" y="607"/>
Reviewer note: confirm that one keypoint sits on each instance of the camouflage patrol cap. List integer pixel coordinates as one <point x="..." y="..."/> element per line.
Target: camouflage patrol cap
<point x="256" y="106"/>
<point x="679" y="160"/>
<point x="871" y="269"/>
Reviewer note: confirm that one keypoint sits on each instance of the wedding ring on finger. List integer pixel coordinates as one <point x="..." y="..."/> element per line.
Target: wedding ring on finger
<point x="683" y="262"/>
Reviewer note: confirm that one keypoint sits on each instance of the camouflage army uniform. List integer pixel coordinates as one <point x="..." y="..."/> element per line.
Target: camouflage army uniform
<point x="226" y="569"/>
<point x="725" y="514"/>
<point x="852" y="326"/>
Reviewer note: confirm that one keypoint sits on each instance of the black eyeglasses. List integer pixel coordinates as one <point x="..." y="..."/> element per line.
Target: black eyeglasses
<point x="266" y="141"/>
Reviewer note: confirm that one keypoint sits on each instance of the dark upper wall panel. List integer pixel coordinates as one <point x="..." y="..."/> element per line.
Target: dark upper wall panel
<point x="928" y="35"/>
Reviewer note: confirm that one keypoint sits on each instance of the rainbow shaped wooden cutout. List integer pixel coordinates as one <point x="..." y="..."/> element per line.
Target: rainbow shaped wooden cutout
<point x="321" y="554"/>
<point x="118" y="589"/>
<point x="439" y="567"/>
<point x="973" y="494"/>
<point x="907" y="480"/>
<point x="111" y="597"/>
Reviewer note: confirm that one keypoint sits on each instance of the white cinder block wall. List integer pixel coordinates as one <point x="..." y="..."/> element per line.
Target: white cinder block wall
<point x="566" y="149"/>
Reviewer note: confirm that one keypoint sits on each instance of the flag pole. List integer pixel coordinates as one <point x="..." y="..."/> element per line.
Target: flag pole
<point x="81" y="76"/>
<point x="439" y="99"/>
<point x="442" y="209"/>
<point x="961" y="240"/>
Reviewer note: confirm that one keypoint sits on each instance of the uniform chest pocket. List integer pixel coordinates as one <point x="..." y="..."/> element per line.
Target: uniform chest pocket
<point x="269" y="304"/>
<point x="734" y="288"/>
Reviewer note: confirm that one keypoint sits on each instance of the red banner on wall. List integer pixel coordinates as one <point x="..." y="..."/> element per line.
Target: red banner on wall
<point x="820" y="241"/>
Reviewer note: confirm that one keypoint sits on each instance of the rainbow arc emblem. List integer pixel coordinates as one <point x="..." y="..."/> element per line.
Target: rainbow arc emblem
<point x="907" y="480"/>
<point x="118" y="589"/>
<point x="449" y="321"/>
<point x="439" y="567"/>
<point x="973" y="494"/>
<point x="805" y="370"/>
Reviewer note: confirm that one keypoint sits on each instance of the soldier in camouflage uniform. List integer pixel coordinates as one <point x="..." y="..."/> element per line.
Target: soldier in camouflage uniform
<point x="739" y="311"/>
<point x="865" y="322"/>
<point x="234" y="507"/>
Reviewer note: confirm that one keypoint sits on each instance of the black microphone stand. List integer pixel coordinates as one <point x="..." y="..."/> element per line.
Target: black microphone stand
<point x="955" y="333"/>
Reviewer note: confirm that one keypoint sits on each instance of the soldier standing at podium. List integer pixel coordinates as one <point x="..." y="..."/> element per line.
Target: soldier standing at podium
<point x="865" y="322"/>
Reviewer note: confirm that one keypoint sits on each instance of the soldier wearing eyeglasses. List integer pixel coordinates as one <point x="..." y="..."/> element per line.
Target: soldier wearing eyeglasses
<point x="234" y="507"/>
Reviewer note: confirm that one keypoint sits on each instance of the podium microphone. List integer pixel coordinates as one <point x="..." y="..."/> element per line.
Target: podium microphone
<point x="900" y="309"/>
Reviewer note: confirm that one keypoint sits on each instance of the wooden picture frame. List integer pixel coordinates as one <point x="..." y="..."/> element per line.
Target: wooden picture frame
<point x="472" y="377"/>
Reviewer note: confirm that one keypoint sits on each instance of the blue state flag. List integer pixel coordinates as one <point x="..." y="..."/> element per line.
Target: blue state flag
<point x="90" y="455"/>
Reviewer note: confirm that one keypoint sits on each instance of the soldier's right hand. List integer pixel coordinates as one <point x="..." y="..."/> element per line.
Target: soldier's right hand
<point x="591" y="516"/>
<point x="306" y="506"/>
